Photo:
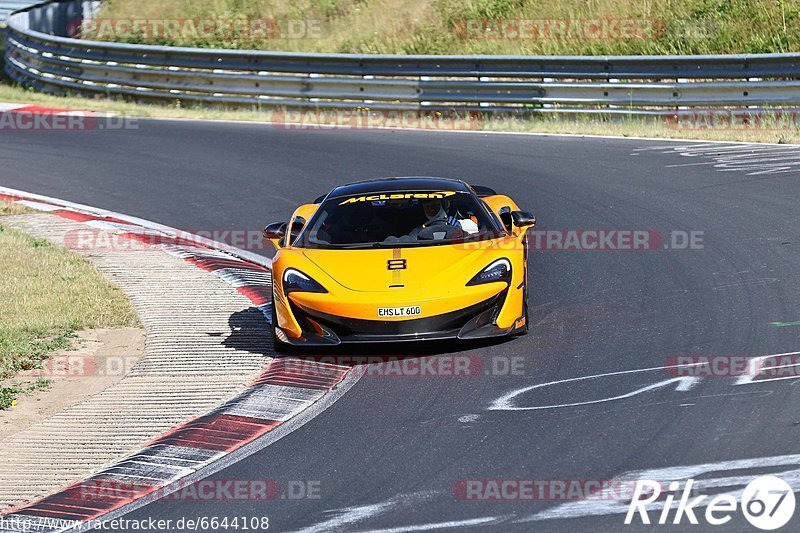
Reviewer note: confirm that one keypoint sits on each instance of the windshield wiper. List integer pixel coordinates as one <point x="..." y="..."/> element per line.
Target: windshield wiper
<point x="400" y="244"/>
<point x="354" y="246"/>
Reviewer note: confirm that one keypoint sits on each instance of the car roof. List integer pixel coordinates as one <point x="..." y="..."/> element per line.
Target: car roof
<point x="413" y="183"/>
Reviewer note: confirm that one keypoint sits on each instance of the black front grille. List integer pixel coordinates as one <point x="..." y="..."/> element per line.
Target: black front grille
<point x="351" y="327"/>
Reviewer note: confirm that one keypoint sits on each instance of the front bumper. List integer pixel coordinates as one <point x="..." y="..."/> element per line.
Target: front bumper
<point x="475" y="321"/>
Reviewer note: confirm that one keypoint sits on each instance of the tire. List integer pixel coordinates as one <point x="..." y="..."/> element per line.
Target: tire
<point x="525" y="307"/>
<point x="525" y="289"/>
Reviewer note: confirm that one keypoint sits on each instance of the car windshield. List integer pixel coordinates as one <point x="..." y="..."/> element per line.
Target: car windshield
<point x="399" y="219"/>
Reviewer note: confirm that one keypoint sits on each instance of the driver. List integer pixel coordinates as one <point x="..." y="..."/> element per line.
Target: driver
<point x="436" y="213"/>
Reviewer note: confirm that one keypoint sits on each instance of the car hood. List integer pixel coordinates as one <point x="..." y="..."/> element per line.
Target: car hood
<point x="432" y="268"/>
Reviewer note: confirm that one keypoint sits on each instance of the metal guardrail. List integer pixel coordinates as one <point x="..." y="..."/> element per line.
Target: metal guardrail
<point x="39" y="55"/>
<point x="9" y="6"/>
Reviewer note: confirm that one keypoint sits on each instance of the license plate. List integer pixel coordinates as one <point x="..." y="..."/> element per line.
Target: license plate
<point x="386" y="312"/>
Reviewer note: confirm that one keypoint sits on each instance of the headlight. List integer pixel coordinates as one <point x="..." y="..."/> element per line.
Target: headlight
<point x="500" y="270"/>
<point x="296" y="281"/>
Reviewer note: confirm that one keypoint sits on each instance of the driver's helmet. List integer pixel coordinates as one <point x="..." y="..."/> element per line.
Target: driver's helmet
<point x="436" y="208"/>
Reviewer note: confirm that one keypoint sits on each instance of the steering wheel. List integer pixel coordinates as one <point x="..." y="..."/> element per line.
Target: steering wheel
<point x="437" y="222"/>
<point x="443" y="231"/>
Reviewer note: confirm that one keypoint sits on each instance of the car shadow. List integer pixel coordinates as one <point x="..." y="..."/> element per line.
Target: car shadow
<point x="250" y="332"/>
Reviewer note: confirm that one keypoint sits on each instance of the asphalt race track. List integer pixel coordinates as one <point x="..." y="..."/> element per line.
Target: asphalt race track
<point x="391" y="454"/>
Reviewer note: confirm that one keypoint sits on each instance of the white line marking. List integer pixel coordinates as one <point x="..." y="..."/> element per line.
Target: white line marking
<point x="480" y="132"/>
<point x="351" y="515"/>
<point x="148" y="224"/>
<point x="686" y="383"/>
<point x="613" y="504"/>
<point x="441" y="525"/>
<point x="755" y="366"/>
<point x="11" y="107"/>
<point x="689" y="165"/>
<point x="38" y="205"/>
<point x="755" y="160"/>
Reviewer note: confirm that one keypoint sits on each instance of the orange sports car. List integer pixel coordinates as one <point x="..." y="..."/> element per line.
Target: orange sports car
<point x="400" y="259"/>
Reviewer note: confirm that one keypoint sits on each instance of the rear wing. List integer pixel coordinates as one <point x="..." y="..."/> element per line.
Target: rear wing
<point x="482" y="191"/>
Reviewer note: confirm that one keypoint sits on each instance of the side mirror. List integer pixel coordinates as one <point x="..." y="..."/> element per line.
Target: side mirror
<point x="275" y="232"/>
<point x="523" y="219"/>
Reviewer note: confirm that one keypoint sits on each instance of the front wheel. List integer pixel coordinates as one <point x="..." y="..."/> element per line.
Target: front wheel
<point x="525" y="288"/>
<point x="525" y="306"/>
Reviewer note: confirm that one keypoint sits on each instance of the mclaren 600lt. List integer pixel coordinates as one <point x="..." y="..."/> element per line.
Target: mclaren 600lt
<point x="400" y="259"/>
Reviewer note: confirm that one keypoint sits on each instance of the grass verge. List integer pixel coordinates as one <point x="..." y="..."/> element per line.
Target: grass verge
<point x="580" y="125"/>
<point x="13" y="208"/>
<point x="473" y="26"/>
<point x="47" y="294"/>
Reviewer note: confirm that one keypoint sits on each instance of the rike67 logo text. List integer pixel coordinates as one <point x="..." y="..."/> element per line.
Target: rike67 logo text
<point x="767" y="502"/>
